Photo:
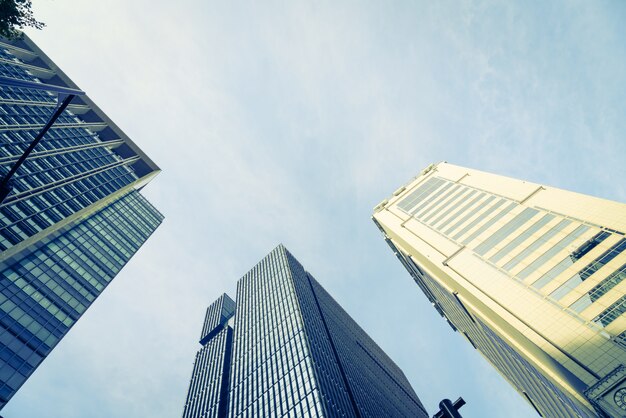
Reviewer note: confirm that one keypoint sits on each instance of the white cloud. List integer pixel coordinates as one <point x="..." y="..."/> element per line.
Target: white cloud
<point x="287" y="122"/>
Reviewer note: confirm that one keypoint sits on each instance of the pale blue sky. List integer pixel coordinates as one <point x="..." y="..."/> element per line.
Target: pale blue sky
<point x="288" y="122"/>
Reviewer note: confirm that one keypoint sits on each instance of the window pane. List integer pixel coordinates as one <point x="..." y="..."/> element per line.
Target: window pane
<point x="508" y="229"/>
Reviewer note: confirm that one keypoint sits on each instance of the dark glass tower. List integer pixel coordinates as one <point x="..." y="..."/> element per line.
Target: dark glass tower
<point x="289" y="349"/>
<point x="74" y="218"/>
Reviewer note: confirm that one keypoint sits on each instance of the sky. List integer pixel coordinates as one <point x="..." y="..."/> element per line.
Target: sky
<point x="288" y="122"/>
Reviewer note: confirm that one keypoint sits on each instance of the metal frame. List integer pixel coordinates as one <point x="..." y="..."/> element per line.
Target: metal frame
<point x="68" y="94"/>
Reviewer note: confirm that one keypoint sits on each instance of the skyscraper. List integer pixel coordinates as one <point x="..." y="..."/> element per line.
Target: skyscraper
<point x="73" y="219"/>
<point x="286" y="348"/>
<point x="531" y="276"/>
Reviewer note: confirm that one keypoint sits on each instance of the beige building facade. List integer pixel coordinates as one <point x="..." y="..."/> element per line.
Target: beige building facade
<point x="532" y="276"/>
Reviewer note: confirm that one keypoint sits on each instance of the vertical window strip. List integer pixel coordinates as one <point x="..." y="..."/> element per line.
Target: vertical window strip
<point x="436" y="191"/>
<point x="479" y="218"/>
<point x="462" y="198"/>
<point x="553" y="272"/>
<point x="591" y="244"/>
<point x="566" y="287"/>
<point x="570" y="259"/>
<point x="551" y="252"/>
<point x="435" y="200"/>
<point x="490" y="222"/>
<point x="606" y="257"/>
<point x="419" y="194"/>
<point x="600" y="290"/>
<point x="464" y="210"/>
<point x="584" y="274"/>
<point x="536" y="244"/>
<point x="611" y="313"/>
<point x="429" y="201"/>
<point x="515" y="243"/>
<point x="505" y="231"/>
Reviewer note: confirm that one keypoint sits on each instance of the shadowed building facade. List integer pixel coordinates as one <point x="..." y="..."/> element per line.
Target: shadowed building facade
<point x="289" y="349"/>
<point x="75" y="215"/>
<point x="531" y="276"/>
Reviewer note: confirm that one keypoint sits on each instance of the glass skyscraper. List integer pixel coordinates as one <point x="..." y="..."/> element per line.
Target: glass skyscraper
<point x="531" y="276"/>
<point x="286" y="348"/>
<point x="75" y="215"/>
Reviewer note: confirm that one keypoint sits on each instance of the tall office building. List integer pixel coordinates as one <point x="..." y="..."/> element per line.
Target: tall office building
<point x="531" y="276"/>
<point x="73" y="219"/>
<point x="286" y="348"/>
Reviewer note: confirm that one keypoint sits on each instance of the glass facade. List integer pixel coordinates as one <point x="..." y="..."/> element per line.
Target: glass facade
<point x="297" y="353"/>
<point x="531" y="276"/>
<point x="534" y="238"/>
<point x="74" y="218"/>
<point x="75" y="166"/>
<point x="208" y="389"/>
<point x="44" y="293"/>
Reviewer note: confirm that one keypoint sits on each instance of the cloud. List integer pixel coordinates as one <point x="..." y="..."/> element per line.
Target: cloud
<point x="287" y="123"/>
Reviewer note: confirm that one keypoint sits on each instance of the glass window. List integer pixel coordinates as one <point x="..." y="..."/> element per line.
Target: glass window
<point x="607" y="256"/>
<point x="553" y="272"/>
<point x="551" y="252"/>
<point x="611" y="313"/>
<point x="490" y="222"/>
<point x="452" y="207"/>
<point x="434" y="200"/>
<point x="416" y="196"/>
<point x="566" y="287"/>
<point x="536" y="244"/>
<point x="508" y="229"/>
<point x="571" y="259"/>
<point x="464" y="210"/>
<point x="600" y="289"/>
<point x="515" y="243"/>
<point x="590" y="245"/>
<point x="479" y="218"/>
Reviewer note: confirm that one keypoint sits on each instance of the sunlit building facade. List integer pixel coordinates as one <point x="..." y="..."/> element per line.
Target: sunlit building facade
<point x="532" y="277"/>
<point x="288" y="349"/>
<point x="75" y="215"/>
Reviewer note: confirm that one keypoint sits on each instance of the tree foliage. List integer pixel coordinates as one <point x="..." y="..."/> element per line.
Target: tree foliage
<point x="16" y="15"/>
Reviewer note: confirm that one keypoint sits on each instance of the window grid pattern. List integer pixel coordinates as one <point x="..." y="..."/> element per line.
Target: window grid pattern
<point x="436" y="203"/>
<point x="448" y="198"/>
<point x="433" y="200"/>
<point x="440" y="198"/>
<point x="522" y="375"/>
<point x="418" y="195"/>
<point x="600" y="289"/>
<point x="588" y="270"/>
<point x="295" y="353"/>
<point x="217" y="314"/>
<point x="489" y="222"/>
<point x="44" y="293"/>
<point x="464" y="210"/>
<point x="526" y="252"/>
<point x="490" y="209"/>
<point x="611" y="313"/>
<point x="377" y="383"/>
<point x="552" y="251"/>
<point x="519" y="239"/>
<point x="335" y="394"/>
<point x="205" y="394"/>
<point x="508" y="229"/>
<point x="605" y="258"/>
<point x="570" y="259"/>
<point x="272" y="373"/>
<point x="68" y="178"/>
<point x="452" y="206"/>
